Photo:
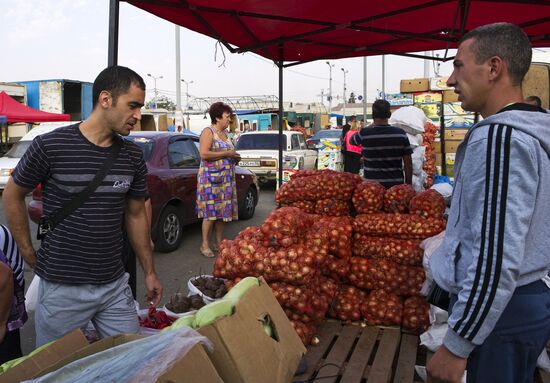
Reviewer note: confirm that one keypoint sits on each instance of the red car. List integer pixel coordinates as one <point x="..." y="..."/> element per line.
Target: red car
<point x="173" y="163"/>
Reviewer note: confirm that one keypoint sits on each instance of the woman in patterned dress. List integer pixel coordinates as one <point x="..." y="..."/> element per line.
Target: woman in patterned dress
<point x="216" y="187"/>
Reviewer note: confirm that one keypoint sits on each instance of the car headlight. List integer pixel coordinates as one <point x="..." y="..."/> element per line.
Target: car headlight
<point x="6" y="172"/>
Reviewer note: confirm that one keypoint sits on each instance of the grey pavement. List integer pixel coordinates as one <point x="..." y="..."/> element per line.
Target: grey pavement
<point x="175" y="268"/>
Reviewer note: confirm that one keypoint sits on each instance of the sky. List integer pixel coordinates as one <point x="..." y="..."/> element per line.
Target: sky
<point x="68" y="39"/>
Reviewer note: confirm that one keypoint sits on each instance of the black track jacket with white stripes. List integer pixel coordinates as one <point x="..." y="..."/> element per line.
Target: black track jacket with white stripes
<point x="498" y="231"/>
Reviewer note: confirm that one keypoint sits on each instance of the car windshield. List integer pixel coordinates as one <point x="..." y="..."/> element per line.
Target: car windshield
<point x="329" y="133"/>
<point x="18" y="149"/>
<point x="146" y="145"/>
<point x="268" y="141"/>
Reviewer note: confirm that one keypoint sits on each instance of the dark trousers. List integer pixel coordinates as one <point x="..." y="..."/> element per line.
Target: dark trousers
<point x="10" y="348"/>
<point x="509" y="354"/>
<point x="352" y="162"/>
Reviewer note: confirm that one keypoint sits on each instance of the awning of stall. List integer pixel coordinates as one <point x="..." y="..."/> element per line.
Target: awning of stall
<point x="14" y="111"/>
<point x="301" y="31"/>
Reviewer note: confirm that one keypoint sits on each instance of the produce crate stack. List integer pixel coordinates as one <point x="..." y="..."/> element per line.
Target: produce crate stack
<point x="329" y="155"/>
<point x="387" y="261"/>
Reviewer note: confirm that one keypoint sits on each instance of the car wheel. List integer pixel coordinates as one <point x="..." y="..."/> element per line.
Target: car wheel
<point x="169" y="231"/>
<point x="247" y="206"/>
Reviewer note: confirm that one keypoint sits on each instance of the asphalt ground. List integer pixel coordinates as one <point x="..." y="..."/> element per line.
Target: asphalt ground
<point x="175" y="268"/>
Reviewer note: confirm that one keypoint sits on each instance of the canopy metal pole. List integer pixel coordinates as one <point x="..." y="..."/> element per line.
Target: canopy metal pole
<point x="280" y="65"/>
<point x="178" y="71"/>
<point x="365" y="90"/>
<point x="113" y="32"/>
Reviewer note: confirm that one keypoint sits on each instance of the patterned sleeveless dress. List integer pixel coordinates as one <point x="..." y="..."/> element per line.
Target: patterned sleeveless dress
<point x="216" y="186"/>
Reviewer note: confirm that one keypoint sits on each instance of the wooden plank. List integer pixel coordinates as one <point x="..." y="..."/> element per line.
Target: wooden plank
<point x="381" y="369"/>
<point x="358" y="362"/>
<point x="334" y="361"/>
<point x="404" y="372"/>
<point x="326" y="333"/>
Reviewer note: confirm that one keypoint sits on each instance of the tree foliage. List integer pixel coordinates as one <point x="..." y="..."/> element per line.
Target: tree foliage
<point x="162" y="102"/>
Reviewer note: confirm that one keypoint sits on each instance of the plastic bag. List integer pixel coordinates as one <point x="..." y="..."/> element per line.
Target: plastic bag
<point x="142" y="360"/>
<point x="418" y="159"/>
<point x="430" y="245"/>
<point x="193" y="290"/>
<point x="410" y="118"/>
<point x="31" y="296"/>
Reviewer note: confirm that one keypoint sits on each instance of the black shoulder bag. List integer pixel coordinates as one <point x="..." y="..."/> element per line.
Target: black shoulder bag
<point x="47" y="224"/>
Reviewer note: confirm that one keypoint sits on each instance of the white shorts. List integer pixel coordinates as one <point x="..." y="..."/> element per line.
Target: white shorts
<point x="61" y="308"/>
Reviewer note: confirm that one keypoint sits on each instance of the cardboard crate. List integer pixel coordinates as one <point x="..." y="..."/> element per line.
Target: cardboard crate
<point x="39" y="363"/>
<point x="432" y="110"/>
<point x="450" y="96"/>
<point x="194" y="366"/>
<point x="537" y="83"/>
<point x="427" y="97"/>
<point x="453" y="109"/>
<point x="396" y="99"/>
<point x="437" y="146"/>
<point x="452" y="145"/>
<point x="438" y="159"/>
<point x="439" y="83"/>
<point x="243" y="352"/>
<point x="415" y="85"/>
<point x="459" y="121"/>
<point x="455" y="134"/>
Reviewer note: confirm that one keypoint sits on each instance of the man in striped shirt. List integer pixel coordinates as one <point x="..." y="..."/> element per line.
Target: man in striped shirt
<point x="494" y="260"/>
<point x="386" y="149"/>
<point x="80" y="261"/>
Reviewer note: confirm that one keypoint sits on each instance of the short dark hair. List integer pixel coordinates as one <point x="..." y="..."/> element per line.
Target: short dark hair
<point x="217" y="110"/>
<point x="535" y="100"/>
<point x="116" y="80"/>
<point x="505" y="40"/>
<point x="352" y="118"/>
<point x="381" y="109"/>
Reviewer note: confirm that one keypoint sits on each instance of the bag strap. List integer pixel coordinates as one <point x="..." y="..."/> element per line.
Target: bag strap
<point x="55" y="218"/>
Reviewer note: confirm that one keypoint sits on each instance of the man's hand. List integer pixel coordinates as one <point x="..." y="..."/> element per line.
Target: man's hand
<point x="445" y="367"/>
<point x="153" y="288"/>
<point x="29" y="255"/>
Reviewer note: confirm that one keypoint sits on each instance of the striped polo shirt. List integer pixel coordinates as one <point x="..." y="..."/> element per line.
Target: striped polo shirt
<point x="86" y="246"/>
<point x="383" y="148"/>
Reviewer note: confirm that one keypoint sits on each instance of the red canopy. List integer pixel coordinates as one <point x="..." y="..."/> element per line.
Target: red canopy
<point x="17" y="112"/>
<point x="308" y="30"/>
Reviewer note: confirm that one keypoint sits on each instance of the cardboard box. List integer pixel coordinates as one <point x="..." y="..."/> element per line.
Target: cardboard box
<point x="439" y="83"/>
<point x="194" y="366"/>
<point x="537" y="83"/>
<point x="459" y="121"/>
<point x="243" y="352"/>
<point x="455" y="134"/>
<point x="432" y="110"/>
<point x="452" y="145"/>
<point x="147" y="123"/>
<point x="396" y="99"/>
<point x="39" y="363"/>
<point x="438" y="159"/>
<point x="450" y="159"/>
<point x="453" y="109"/>
<point x="415" y="85"/>
<point x="437" y="146"/>
<point x="427" y="97"/>
<point x="329" y="145"/>
<point x="450" y="96"/>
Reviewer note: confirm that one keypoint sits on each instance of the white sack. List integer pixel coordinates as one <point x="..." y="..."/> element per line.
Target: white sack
<point x="409" y="118"/>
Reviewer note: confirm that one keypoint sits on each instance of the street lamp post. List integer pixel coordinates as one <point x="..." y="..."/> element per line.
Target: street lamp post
<point x="186" y="92"/>
<point x="155" y="78"/>
<point x="344" y="117"/>
<point x="330" y="66"/>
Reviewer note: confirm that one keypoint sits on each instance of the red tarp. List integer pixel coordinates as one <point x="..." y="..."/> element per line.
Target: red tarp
<point x="308" y="30"/>
<point x="17" y="112"/>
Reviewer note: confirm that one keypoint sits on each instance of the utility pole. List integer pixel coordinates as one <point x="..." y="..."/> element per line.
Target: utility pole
<point x="187" y="92"/>
<point x="155" y="78"/>
<point x="344" y="116"/>
<point x="178" y="69"/>
<point x="330" y="66"/>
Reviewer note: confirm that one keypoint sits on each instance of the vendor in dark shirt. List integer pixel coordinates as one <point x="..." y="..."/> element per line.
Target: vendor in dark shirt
<point x="386" y="149"/>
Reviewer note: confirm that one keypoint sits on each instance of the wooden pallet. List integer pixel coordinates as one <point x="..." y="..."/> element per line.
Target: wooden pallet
<point x="373" y="354"/>
<point x="356" y="354"/>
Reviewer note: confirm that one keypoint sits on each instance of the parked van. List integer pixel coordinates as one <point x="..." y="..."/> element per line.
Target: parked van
<point x="9" y="161"/>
